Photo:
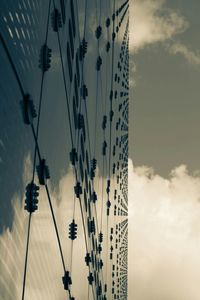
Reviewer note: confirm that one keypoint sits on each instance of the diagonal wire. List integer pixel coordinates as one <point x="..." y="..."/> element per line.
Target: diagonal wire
<point x="34" y="160"/>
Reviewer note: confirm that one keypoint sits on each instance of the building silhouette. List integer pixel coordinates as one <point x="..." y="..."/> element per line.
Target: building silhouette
<point x="64" y="94"/>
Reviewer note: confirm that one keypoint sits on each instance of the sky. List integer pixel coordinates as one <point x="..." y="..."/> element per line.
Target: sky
<point x="164" y="122"/>
<point x="164" y="171"/>
<point x="164" y="130"/>
<point x="164" y="242"/>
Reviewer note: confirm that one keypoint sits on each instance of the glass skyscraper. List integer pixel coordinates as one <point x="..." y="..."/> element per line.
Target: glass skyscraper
<point x="64" y="93"/>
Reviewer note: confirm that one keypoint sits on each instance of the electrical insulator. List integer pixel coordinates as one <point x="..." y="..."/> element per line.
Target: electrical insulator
<point x="43" y="172"/>
<point x="104" y="148"/>
<point x="111" y="95"/>
<point x="114" y="150"/>
<point x="94" y="197"/>
<point x="101" y="264"/>
<point x="99" y="290"/>
<point x="111" y="115"/>
<point x="83" y="49"/>
<point x="94" y="163"/>
<point x="73" y="230"/>
<point x="87" y="259"/>
<point x="78" y="189"/>
<point x="98" y="32"/>
<point x="104" y="122"/>
<point x="80" y="121"/>
<point x="92" y="174"/>
<point x="90" y="278"/>
<point x="107" y="46"/>
<point x="56" y="20"/>
<point x="93" y="168"/>
<point x="107" y="22"/>
<point x="100" y="237"/>
<point x="45" y="58"/>
<point x="84" y="92"/>
<point x="67" y="281"/>
<point x="28" y="109"/>
<point x="73" y="156"/>
<point x="99" y="63"/>
<point x="99" y="248"/>
<point x="108" y="186"/>
<point x="91" y="226"/>
<point x="108" y="203"/>
<point x="114" y="166"/>
<point x="31" y="201"/>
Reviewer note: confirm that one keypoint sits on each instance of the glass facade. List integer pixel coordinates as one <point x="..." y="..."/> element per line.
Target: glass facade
<point x="64" y="135"/>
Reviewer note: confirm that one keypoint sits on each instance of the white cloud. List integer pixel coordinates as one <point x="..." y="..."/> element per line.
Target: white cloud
<point x="164" y="218"/>
<point x="164" y="240"/>
<point x="187" y="53"/>
<point x="152" y="22"/>
<point x="44" y="273"/>
<point x="133" y="73"/>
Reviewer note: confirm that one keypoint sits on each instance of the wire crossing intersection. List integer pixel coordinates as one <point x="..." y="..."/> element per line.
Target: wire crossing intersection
<point x="68" y="65"/>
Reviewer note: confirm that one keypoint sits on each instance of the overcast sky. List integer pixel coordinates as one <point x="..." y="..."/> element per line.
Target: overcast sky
<point x="164" y="127"/>
<point x="164" y="118"/>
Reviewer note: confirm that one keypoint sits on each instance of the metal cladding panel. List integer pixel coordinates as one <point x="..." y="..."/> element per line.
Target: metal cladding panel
<point x="70" y="60"/>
